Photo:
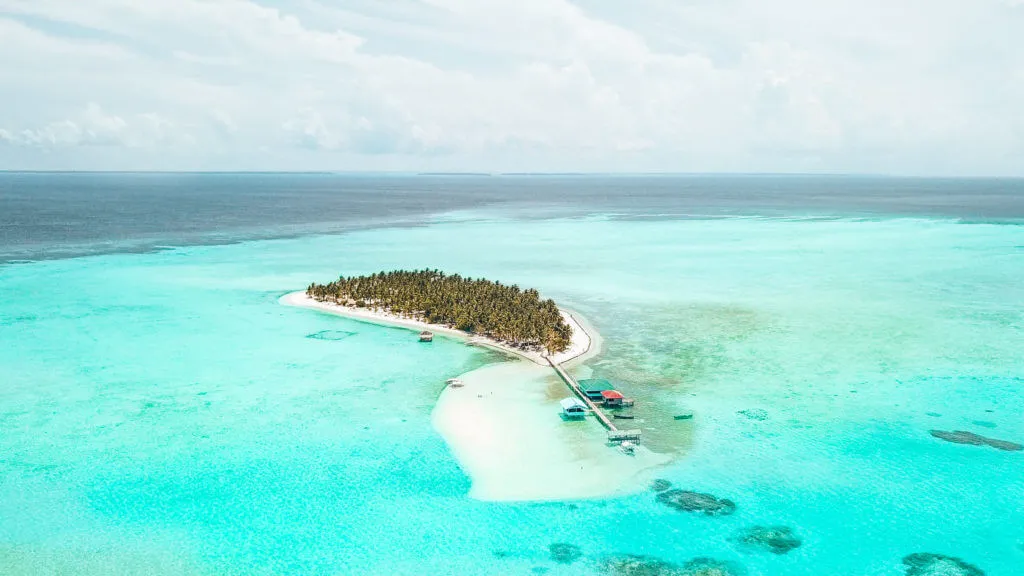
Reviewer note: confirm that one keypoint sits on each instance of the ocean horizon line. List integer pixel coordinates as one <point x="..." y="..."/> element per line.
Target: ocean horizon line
<point x="542" y="174"/>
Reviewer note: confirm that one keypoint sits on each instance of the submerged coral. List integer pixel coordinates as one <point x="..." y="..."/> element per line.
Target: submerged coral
<point x="564" y="553"/>
<point x="630" y="565"/>
<point x="332" y="335"/>
<point x="775" y="539"/>
<point x="754" y="413"/>
<point x="964" y="437"/>
<point x="688" y="501"/>
<point x="924" y="564"/>
<point x="660" y="485"/>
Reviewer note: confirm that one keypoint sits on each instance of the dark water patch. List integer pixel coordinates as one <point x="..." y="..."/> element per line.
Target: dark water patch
<point x="12" y="320"/>
<point x="564" y="553"/>
<point x="983" y="423"/>
<point x="54" y="215"/>
<point x="636" y="565"/>
<point x="711" y="567"/>
<point x="331" y="335"/>
<point x="688" y="501"/>
<point x="925" y="564"/>
<point x="933" y="414"/>
<point x="667" y="346"/>
<point x="660" y="485"/>
<point x="774" y="539"/>
<point x="633" y="565"/>
<point x="972" y="439"/>
<point x="754" y="414"/>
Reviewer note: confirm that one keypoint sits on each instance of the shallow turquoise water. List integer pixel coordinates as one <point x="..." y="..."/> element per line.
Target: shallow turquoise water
<point x="161" y="413"/>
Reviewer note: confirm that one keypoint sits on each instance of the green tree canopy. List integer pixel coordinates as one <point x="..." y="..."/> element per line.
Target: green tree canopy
<point x="505" y="313"/>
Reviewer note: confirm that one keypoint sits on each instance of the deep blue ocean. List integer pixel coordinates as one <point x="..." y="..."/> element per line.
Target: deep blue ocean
<point x="53" y="215"/>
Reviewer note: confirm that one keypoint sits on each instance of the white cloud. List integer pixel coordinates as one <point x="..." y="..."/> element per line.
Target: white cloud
<point x="94" y="127"/>
<point x="919" y="87"/>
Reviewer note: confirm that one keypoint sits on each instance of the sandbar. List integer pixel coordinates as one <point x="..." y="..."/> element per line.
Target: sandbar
<point x="504" y="424"/>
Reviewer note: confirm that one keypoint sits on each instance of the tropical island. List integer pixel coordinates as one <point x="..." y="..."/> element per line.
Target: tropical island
<point x="502" y="423"/>
<point x="506" y="314"/>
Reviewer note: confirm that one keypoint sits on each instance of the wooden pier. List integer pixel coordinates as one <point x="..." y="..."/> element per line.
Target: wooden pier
<point x="575" y="387"/>
<point x="614" y="434"/>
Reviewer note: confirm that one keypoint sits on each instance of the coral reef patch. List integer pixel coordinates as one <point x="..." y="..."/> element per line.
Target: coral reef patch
<point x="924" y="564"/>
<point x="331" y="335"/>
<point x="775" y="539"/>
<point x="564" y="553"/>
<point x="660" y="485"/>
<point x="964" y="437"/>
<point x="754" y="414"/>
<point x="632" y="565"/>
<point x="687" y="501"/>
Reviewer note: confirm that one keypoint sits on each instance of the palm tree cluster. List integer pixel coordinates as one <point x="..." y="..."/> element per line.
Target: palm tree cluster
<point x="505" y="313"/>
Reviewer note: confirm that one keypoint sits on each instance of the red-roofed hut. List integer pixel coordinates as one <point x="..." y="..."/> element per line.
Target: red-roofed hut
<point x="612" y="398"/>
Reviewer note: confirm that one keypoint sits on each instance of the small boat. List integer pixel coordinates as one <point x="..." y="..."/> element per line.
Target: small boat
<point x="627" y="447"/>
<point x="623" y="416"/>
<point x="455" y="383"/>
<point x="426" y="336"/>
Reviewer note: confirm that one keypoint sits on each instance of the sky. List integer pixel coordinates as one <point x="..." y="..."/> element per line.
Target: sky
<point x="903" y="87"/>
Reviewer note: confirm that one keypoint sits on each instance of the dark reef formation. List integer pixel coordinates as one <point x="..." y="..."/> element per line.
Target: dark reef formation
<point x="775" y="539"/>
<point x="711" y="567"/>
<point x="964" y="437"/>
<point x="630" y="565"/>
<point x="660" y="485"/>
<point x="331" y="335"/>
<point x="754" y="414"/>
<point x="924" y="564"/>
<point x="564" y="553"/>
<point x="687" y="501"/>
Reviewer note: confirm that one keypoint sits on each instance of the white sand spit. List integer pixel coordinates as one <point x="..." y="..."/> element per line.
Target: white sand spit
<point x="505" y="429"/>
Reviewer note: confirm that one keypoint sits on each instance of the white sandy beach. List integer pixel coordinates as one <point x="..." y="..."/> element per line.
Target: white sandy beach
<point x="580" y="344"/>
<point x="508" y="434"/>
<point x="506" y="430"/>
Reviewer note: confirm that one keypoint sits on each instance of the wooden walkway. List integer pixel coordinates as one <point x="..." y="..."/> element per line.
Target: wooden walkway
<point x="614" y="434"/>
<point x="575" y="387"/>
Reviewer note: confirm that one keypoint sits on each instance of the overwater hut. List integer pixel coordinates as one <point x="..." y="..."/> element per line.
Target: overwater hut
<point x="594" y="387"/>
<point x="612" y="398"/>
<point x="426" y="336"/>
<point x="573" y="408"/>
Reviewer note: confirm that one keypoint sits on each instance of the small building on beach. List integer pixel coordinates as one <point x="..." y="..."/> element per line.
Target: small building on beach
<point x="573" y="408"/>
<point x="426" y="336"/>
<point x="594" y="387"/>
<point x="612" y="398"/>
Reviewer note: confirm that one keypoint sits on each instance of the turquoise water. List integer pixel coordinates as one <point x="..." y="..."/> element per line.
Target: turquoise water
<point x="163" y="414"/>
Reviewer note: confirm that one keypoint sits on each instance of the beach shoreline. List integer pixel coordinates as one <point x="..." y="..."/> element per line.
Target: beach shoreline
<point x="582" y="345"/>
<point x="503" y="424"/>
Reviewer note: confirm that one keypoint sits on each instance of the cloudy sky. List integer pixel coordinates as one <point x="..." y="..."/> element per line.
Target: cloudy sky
<point x="861" y="86"/>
